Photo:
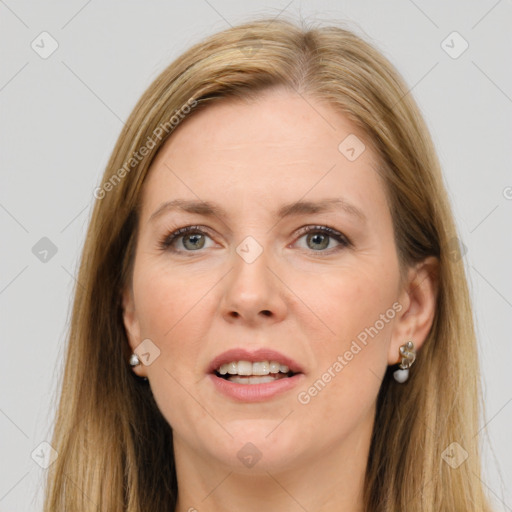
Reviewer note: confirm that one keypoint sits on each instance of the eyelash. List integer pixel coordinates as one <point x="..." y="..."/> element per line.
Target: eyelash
<point x="165" y="244"/>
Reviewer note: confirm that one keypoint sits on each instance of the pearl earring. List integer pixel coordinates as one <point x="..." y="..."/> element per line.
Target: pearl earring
<point x="408" y="357"/>
<point x="135" y="361"/>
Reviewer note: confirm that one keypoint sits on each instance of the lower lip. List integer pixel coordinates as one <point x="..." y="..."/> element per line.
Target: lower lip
<point x="255" y="392"/>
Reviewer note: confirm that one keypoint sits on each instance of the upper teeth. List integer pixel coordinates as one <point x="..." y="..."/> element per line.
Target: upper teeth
<point x="248" y="368"/>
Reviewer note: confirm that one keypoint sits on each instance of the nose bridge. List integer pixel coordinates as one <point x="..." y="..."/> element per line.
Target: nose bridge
<point x="252" y="290"/>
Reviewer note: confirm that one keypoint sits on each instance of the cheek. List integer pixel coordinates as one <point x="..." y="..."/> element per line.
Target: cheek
<point x="166" y="306"/>
<point x="359" y="306"/>
<point x="170" y="311"/>
<point x="165" y="300"/>
<point x="349" y="302"/>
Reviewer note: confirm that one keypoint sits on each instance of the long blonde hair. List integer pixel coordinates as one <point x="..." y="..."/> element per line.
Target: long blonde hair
<point x="114" y="447"/>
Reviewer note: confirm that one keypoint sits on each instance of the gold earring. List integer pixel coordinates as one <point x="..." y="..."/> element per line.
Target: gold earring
<point x="408" y="354"/>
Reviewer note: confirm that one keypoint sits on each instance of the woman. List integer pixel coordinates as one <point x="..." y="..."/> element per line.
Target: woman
<point x="271" y="310"/>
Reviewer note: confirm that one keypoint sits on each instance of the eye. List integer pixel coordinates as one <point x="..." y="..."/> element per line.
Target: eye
<point x="318" y="238"/>
<point x="192" y="239"/>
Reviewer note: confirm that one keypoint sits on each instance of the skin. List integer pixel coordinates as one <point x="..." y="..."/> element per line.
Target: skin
<point x="308" y="303"/>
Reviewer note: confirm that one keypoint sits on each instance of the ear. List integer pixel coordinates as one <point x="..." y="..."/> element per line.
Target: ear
<point x="132" y="327"/>
<point x="418" y="299"/>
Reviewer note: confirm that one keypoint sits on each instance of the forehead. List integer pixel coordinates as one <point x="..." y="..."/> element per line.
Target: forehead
<point x="276" y="118"/>
<point x="279" y="145"/>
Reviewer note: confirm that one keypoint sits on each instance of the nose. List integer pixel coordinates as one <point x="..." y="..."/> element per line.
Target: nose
<point x="253" y="293"/>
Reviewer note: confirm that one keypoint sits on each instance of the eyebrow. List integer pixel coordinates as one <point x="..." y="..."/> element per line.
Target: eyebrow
<point x="209" y="209"/>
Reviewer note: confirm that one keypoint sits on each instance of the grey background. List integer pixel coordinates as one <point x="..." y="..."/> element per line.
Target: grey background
<point x="61" y="116"/>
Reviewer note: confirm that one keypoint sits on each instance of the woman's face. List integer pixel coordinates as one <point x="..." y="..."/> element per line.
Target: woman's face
<point x="250" y="278"/>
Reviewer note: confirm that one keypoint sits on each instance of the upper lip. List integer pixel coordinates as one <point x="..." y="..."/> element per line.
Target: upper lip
<point x="262" y="354"/>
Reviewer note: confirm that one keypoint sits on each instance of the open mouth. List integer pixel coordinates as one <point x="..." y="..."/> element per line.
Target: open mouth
<point x="255" y="376"/>
<point x="255" y="379"/>
<point x="246" y="372"/>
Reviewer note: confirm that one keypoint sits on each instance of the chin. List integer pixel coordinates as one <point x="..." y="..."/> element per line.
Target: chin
<point x="258" y="446"/>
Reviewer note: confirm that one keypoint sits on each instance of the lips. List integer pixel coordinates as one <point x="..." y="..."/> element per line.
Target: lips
<point x="262" y="354"/>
